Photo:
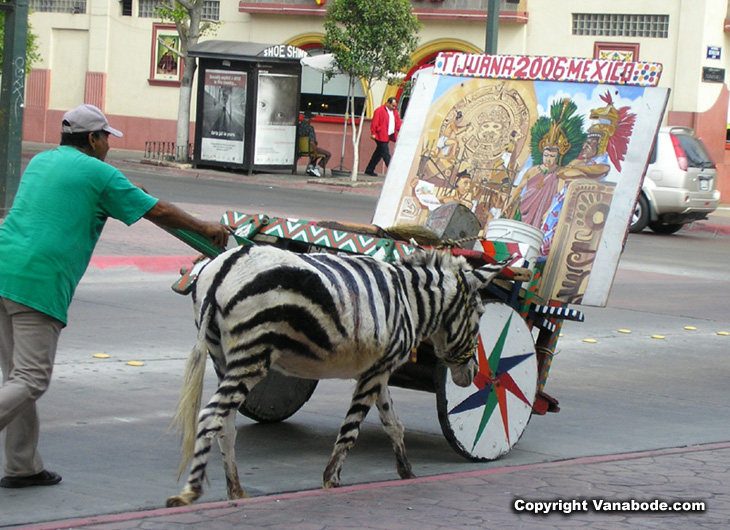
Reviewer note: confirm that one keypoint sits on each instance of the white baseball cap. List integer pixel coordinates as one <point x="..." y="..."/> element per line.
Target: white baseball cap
<point x="87" y="118"/>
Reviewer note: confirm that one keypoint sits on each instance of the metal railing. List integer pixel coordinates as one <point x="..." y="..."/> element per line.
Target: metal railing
<point x="167" y="151"/>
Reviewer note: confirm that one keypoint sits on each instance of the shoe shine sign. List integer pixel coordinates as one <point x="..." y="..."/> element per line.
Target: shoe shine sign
<point x="558" y="143"/>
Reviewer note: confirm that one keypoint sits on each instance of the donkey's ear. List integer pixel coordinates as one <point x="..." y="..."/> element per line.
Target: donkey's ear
<point x="481" y="277"/>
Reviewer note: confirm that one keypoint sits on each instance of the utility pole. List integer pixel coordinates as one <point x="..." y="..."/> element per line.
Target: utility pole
<point x="12" y="99"/>
<point x="490" y="48"/>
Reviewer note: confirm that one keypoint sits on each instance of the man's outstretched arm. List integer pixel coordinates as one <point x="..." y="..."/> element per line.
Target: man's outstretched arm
<point x="168" y="215"/>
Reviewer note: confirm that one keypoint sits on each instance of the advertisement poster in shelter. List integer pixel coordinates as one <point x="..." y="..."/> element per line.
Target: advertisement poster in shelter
<point x="277" y="115"/>
<point x="224" y="116"/>
<point x="559" y="144"/>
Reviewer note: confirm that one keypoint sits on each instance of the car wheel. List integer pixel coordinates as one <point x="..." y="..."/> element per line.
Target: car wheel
<point x="665" y="228"/>
<point x="640" y="215"/>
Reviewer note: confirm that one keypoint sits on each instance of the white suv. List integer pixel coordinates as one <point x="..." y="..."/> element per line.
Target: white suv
<point x="679" y="185"/>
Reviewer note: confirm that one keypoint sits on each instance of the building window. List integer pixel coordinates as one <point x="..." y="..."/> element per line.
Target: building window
<point x="615" y="51"/>
<point x="211" y="9"/>
<point x="616" y="25"/>
<point x="126" y="8"/>
<point x="75" y="7"/>
<point x="166" y="66"/>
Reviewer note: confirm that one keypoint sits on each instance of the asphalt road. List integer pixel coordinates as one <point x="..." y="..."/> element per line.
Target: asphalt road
<point x="104" y="421"/>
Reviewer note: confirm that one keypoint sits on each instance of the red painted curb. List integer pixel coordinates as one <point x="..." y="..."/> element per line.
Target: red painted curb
<point x="707" y="227"/>
<point x="143" y="263"/>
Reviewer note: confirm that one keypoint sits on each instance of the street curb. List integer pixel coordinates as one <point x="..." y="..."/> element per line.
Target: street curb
<point x="208" y="507"/>
<point x="343" y="185"/>
<point x="143" y="263"/>
<point x="707" y="227"/>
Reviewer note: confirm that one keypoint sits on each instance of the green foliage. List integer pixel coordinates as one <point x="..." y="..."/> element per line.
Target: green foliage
<point x="32" y="56"/>
<point x="179" y="12"/>
<point x="172" y="11"/>
<point x="371" y="39"/>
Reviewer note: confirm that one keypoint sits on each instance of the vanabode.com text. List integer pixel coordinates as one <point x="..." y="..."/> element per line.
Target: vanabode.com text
<point x="600" y="505"/>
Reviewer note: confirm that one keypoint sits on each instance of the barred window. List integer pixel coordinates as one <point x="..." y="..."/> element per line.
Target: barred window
<point x="58" y="6"/>
<point x="617" y="25"/>
<point x="211" y="9"/>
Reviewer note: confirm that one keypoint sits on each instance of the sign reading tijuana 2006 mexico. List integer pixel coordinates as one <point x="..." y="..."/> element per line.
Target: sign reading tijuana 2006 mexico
<point x="541" y="68"/>
<point x="557" y="143"/>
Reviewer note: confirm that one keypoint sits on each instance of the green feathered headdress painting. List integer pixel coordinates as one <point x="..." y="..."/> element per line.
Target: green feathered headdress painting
<point x="562" y="130"/>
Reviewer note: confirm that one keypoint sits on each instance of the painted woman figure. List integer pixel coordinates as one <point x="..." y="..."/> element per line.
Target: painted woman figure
<point x="555" y="141"/>
<point x="538" y="187"/>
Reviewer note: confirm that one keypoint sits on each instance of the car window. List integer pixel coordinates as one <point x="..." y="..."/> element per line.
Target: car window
<point x="696" y="152"/>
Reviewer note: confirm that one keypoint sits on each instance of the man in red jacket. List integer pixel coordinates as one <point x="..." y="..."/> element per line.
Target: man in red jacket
<point x="383" y="129"/>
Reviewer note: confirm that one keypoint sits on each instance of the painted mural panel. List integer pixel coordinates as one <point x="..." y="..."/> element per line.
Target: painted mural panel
<point x="564" y="157"/>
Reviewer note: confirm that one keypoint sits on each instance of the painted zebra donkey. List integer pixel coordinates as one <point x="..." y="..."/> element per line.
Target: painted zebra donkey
<point x="320" y="316"/>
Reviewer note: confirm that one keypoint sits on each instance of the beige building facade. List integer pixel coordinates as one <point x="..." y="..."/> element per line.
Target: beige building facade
<point x="108" y="53"/>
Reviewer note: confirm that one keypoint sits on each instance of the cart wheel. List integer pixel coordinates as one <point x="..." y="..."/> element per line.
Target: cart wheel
<point x="276" y="397"/>
<point x="484" y="420"/>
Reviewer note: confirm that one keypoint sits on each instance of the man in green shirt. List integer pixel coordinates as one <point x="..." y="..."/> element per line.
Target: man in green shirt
<point x="46" y="241"/>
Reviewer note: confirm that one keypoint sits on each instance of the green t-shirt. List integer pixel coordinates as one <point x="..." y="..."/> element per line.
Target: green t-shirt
<point x="63" y="200"/>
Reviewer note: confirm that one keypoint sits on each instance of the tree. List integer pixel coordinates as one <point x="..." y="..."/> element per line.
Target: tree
<point x="372" y="40"/>
<point x="187" y="15"/>
<point x="31" y="45"/>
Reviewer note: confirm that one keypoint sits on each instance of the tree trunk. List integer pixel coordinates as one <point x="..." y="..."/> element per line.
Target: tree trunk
<point x="182" y="153"/>
<point x="356" y="130"/>
<point x="189" y="35"/>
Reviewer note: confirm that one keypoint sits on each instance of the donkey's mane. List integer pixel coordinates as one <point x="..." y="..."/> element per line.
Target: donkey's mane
<point x="441" y="259"/>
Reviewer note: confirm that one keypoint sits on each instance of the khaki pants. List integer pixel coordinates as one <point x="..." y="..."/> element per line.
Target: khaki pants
<point x="28" y="340"/>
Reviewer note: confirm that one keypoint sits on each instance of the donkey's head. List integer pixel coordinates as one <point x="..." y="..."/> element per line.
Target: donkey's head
<point x="455" y="341"/>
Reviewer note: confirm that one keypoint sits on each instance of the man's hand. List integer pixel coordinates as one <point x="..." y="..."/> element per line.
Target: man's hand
<point x="218" y="233"/>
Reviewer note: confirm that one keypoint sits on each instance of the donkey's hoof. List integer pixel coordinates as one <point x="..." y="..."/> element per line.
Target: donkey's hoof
<point x="176" y="501"/>
<point x="236" y="494"/>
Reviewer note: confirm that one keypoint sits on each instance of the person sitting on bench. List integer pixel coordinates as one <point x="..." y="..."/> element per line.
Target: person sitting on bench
<point x="318" y="157"/>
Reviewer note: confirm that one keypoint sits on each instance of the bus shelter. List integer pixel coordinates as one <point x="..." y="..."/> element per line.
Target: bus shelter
<point x="248" y="105"/>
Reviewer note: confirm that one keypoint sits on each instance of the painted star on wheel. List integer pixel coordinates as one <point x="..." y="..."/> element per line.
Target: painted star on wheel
<point x="493" y="382"/>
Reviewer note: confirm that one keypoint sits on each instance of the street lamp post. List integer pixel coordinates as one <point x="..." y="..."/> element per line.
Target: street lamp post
<point x="12" y="99"/>
<point x="490" y="46"/>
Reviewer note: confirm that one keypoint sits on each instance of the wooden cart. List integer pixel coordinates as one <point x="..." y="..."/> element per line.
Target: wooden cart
<point x="517" y="339"/>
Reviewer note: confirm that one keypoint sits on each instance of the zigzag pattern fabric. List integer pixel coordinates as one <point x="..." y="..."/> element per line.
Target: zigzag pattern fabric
<point x="319" y="316"/>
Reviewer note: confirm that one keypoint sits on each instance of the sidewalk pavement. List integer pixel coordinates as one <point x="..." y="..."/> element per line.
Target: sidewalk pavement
<point x="676" y="488"/>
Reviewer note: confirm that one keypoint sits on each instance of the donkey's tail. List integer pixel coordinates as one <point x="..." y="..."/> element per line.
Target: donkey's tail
<point x="188" y="406"/>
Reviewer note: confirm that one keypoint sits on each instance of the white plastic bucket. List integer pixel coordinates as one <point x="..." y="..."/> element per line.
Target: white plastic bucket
<point x="511" y="231"/>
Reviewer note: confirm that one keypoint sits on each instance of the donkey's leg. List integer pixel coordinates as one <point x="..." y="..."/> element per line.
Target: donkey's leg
<point x="365" y="394"/>
<point x="215" y="420"/>
<point x="233" y="390"/>
<point x="394" y="428"/>
<point x="210" y="424"/>
<point x="227" y="443"/>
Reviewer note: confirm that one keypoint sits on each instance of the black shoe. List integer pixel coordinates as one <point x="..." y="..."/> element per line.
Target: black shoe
<point x="371" y="173"/>
<point x="44" y="478"/>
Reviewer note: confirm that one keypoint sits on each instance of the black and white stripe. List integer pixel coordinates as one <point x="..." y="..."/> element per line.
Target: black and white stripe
<point x="321" y="316"/>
